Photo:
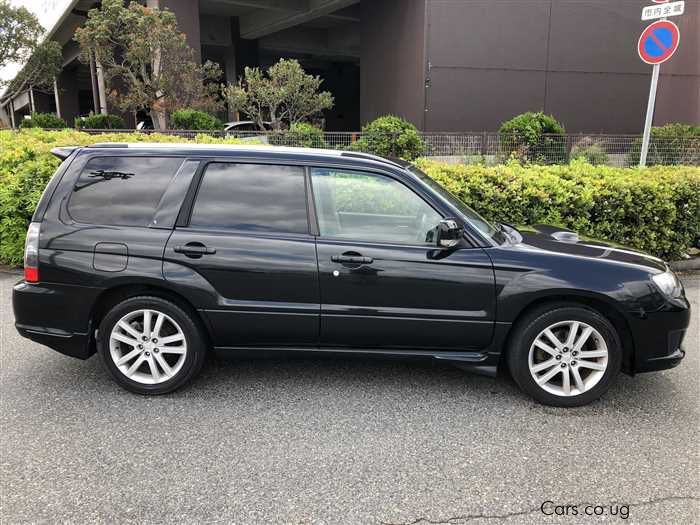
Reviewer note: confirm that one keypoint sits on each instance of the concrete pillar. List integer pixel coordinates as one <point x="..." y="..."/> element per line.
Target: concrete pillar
<point x="55" y="94"/>
<point x="187" y="14"/>
<point x="32" y="106"/>
<point x="12" y="113"/>
<point x="101" y="88"/>
<point x="93" y="83"/>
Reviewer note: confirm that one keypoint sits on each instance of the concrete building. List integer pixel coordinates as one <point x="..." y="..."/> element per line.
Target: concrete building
<point x="446" y="65"/>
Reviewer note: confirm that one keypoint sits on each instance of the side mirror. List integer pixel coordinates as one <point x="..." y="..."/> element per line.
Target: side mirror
<point x="449" y="233"/>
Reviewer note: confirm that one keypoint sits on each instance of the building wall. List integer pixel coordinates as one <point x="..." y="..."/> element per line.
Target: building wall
<point x="575" y="59"/>
<point x="392" y="59"/>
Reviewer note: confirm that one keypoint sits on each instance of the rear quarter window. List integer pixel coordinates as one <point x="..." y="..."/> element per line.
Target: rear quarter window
<point x="121" y="191"/>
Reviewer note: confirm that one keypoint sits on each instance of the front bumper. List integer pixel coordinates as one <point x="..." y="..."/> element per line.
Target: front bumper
<point x="658" y="338"/>
<point x="56" y="316"/>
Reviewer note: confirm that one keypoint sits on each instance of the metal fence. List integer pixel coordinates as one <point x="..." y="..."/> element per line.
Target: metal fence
<point x="487" y="147"/>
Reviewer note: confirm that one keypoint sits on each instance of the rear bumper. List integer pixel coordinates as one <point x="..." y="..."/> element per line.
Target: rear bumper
<point x="658" y="338"/>
<point x="56" y="316"/>
<point x="66" y="343"/>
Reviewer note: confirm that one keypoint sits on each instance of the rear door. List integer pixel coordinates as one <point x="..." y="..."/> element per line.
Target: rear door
<point x="247" y="235"/>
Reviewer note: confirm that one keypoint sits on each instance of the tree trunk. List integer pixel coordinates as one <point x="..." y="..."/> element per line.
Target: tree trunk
<point x="159" y="119"/>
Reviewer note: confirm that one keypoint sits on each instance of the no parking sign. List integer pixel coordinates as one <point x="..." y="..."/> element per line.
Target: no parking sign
<point x="658" y="42"/>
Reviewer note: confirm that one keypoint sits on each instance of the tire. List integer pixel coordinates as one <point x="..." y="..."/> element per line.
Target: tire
<point x="163" y="365"/>
<point x="591" y="363"/>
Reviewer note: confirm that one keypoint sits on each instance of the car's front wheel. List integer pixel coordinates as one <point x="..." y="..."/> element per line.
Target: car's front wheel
<point x="150" y="345"/>
<point x="564" y="355"/>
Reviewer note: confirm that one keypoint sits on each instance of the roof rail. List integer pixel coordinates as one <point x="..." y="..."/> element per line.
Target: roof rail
<point x="369" y="156"/>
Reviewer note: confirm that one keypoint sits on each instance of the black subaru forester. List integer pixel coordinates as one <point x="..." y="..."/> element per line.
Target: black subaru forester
<point x="153" y="255"/>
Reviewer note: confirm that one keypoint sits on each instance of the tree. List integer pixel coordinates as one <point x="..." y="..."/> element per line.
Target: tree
<point x="41" y="69"/>
<point x="146" y="61"/>
<point x="285" y="94"/>
<point x="19" y="32"/>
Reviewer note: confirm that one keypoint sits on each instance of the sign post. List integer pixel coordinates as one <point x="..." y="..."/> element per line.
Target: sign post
<point x="656" y="45"/>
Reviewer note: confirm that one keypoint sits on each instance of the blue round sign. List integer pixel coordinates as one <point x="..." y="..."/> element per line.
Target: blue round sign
<point x="658" y="42"/>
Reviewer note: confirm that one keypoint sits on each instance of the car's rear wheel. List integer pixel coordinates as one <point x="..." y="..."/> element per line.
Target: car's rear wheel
<point x="150" y="345"/>
<point x="564" y="355"/>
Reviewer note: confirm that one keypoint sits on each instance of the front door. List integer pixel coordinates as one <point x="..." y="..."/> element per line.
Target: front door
<point x="383" y="285"/>
<point x="248" y="237"/>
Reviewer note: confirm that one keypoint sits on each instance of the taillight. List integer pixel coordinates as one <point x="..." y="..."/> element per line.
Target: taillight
<point x="31" y="253"/>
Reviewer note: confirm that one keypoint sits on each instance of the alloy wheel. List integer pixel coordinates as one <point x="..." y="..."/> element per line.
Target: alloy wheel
<point x="568" y="358"/>
<point x="148" y="346"/>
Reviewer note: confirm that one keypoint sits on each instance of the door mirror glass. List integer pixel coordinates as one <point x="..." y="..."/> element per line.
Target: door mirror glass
<point x="449" y="233"/>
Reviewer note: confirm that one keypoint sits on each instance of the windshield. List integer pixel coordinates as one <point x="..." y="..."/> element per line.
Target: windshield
<point x="476" y="220"/>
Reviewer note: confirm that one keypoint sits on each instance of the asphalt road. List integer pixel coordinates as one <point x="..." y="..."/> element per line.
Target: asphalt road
<point x="338" y="441"/>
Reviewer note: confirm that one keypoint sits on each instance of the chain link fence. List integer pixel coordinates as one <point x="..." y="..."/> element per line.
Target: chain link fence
<point x="486" y="148"/>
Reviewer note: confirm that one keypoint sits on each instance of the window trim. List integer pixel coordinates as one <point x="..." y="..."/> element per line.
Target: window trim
<point x="352" y="240"/>
<point x="184" y="218"/>
<point x="81" y="168"/>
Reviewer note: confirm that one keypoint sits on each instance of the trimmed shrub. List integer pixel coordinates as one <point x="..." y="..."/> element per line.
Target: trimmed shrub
<point x="100" y="121"/>
<point x="299" y="135"/>
<point x="390" y="136"/>
<point x="670" y="145"/>
<point x="26" y="165"/>
<point x="44" y="121"/>
<point x="656" y="210"/>
<point x="192" y="119"/>
<point x="533" y="138"/>
<point x="589" y="150"/>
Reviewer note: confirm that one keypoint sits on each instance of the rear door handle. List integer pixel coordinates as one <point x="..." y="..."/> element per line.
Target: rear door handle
<point x="194" y="250"/>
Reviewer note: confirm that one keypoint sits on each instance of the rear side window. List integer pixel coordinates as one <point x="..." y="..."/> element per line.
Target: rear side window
<point x="251" y="198"/>
<point x="121" y="191"/>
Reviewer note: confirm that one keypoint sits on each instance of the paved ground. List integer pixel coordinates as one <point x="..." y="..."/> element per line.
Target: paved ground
<point x="346" y="441"/>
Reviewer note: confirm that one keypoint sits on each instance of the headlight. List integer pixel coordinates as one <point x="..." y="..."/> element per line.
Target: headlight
<point x="668" y="283"/>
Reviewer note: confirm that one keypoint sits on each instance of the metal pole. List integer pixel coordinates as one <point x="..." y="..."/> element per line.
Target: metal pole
<point x="55" y="94"/>
<point x="650" y="116"/>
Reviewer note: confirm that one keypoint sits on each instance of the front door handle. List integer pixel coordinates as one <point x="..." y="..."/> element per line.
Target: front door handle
<point x="351" y="259"/>
<point x="194" y="250"/>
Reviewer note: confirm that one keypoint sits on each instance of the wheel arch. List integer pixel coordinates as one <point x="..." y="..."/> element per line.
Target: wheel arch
<point x="600" y="305"/>
<point x="116" y="294"/>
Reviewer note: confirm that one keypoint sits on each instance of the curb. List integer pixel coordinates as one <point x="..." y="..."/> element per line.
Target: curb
<point x="9" y="269"/>
<point x="687" y="265"/>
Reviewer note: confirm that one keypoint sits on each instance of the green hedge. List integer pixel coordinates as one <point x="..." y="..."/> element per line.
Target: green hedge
<point x="192" y="119"/>
<point x="390" y="136"/>
<point x="670" y="145"/>
<point x="43" y="120"/>
<point x="534" y="138"/>
<point x="26" y="165"/>
<point x="300" y="134"/>
<point x="100" y="121"/>
<point x="652" y="209"/>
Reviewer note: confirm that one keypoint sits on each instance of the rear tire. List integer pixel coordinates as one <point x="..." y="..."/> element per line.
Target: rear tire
<point x="151" y="345"/>
<point x="564" y="355"/>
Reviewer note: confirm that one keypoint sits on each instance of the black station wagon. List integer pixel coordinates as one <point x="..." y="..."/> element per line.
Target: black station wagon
<point x="153" y="255"/>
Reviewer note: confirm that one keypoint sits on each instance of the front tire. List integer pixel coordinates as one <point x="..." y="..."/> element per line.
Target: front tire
<point x="564" y="355"/>
<point x="150" y="345"/>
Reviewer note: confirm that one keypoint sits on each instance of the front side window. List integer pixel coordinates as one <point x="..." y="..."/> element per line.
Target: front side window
<point x="121" y="191"/>
<point x="251" y="198"/>
<point x="368" y="207"/>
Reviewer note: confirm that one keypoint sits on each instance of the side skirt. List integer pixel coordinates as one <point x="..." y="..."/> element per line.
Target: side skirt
<point x="476" y="362"/>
